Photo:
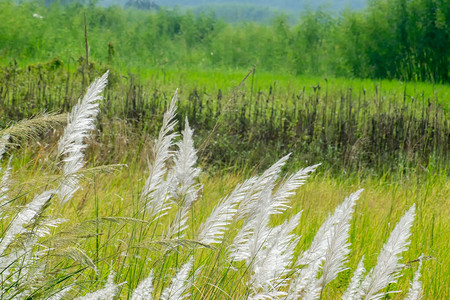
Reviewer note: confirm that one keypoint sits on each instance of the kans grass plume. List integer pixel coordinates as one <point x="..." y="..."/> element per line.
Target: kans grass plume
<point x="216" y="225"/>
<point x="30" y="129"/>
<point x="185" y="189"/>
<point x="155" y="195"/>
<point x="23" y="218"/>
<point x="144" y="290"/>
<point x="180" y="284"/>
<point x="415" y="291"/>
<point x="352" y="291"/>
<point x="324" y="253"/>
<point x="388" y="264"/>
<point x="5" y="184"/>
<point x="80" y="122"/>
<point x="109" y="291"/>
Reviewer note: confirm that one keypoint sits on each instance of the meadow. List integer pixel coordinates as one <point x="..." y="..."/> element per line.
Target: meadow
<point x="100" y="231"/>
<point x="294" y="161"/>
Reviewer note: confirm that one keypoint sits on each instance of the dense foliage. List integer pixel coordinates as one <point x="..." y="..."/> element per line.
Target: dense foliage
<point x="389" y="39"/>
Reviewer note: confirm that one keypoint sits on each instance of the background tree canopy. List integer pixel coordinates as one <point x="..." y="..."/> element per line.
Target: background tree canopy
<point x="388" y="39"/>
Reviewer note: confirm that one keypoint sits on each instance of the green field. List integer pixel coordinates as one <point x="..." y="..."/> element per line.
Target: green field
<point x="100" y="202"/>
<point x="105" y="228"/>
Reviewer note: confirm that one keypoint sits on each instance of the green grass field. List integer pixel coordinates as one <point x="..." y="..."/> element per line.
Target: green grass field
<point x="252" y="94"/>
<point x="104" y="222"/>
<point x="106" y="229"/>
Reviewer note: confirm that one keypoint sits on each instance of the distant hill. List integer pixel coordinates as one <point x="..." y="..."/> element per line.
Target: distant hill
<point x="288" y="5"/>
<point x="251" y="10"/>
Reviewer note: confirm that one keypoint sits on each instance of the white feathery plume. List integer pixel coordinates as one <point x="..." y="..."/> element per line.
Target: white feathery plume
<point x="61" y="294"/>
<point x="9" y="263"/>
<point x="213" y="229"/>
<point x="44" y="229"/>
<point x="155" y="193"/>
<point x="22" y="267"/>
<point x="179" y="224"/>
<point x="287" y="189"/>
<point x="264" y="203"/>
<point x="250" y="239"/>
<point x="25" y="294"/>
<point x="256" y="206"/>
<point x="312" y="290"/>
<point x="4" y="185"/>
<point x="144" y="290"/>
<point x="185" y="189"/>
<point x="108" y="292"/>
<point x="353" y="289"/>
<point x="271" y="264"/>
<point x="161" y="205"/>
<point x="31" y="268"/>
<point x="71" y="145"/>
<point x="3" y="142"/>
<point x="306" y="279"/>
<point x="23" y="218"/>
<point x="305" y="283"/>
<point x="180" y="284"/>
<point x="338" y="248"/>
<point x="251" y="201"/>
<point x="415" y="291"/>
<point x="255" y="231"/>
<point x="388" y="266"/>
<point x="319" y="244"/>
<point x="264" y="296"/>
<point x="185" y="172"/>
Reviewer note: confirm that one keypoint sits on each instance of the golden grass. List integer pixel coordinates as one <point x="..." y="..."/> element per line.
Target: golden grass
<point x="105" y="214"/>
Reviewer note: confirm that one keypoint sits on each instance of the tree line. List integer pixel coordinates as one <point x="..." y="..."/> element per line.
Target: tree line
<point x="404" y="39"/>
